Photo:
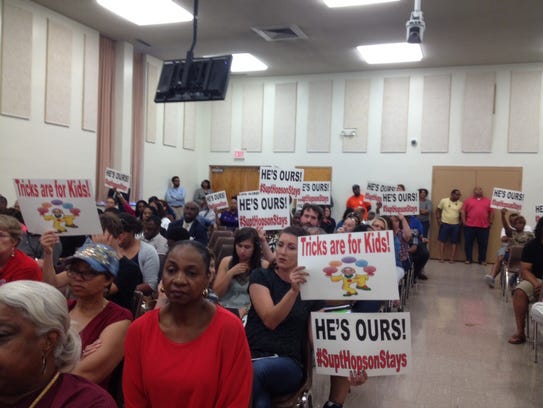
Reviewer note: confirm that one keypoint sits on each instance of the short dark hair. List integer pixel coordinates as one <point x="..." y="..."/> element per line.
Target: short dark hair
<point x="111" y="223"/>
<point x="423" y="189"/>
<point x="130" y="223"/>
<point x="155" y="219"/>
<point x="205" y="181"/>
<point x="538" y="230"/>
<point x="314" y="207"/>
<point x="174" y="177"/>
<point x="356" y="186"/>
<point x="202" y="250"/>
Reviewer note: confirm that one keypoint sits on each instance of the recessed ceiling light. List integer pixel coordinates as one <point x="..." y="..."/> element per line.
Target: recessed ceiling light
<point x="147" y="12"/>
<point x="246" y="62"/>
<point x="390" y="53"/>
<point x="350" y="3"/>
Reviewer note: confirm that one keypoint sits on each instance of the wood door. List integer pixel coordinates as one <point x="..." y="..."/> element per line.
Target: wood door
<point x="447" y="178"/>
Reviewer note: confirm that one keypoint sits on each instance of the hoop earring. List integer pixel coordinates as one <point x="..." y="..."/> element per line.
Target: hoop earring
<point x="43" y="363"/>
<point x="205" y="292"/>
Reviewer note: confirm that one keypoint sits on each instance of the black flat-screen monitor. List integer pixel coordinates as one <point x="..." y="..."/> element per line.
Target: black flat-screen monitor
<point x="203" y="79"/>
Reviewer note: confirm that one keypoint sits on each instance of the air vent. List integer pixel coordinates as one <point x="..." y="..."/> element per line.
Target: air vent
<point x="280" y="33"/>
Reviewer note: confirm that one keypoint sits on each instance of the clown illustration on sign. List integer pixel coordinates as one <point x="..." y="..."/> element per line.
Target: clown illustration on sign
<point x="348" y="275"/>
<point x="60" y="219"/>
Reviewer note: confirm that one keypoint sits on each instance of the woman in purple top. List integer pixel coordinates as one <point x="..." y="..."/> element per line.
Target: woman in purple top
<point x="229" y="217"/>
<point x="39" y="346"/>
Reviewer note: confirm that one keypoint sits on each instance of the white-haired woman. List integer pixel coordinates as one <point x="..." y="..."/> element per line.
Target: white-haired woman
<point x="37" y="348"/>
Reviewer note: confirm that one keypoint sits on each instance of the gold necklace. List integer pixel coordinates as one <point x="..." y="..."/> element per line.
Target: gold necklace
<point x="44" y="391"/>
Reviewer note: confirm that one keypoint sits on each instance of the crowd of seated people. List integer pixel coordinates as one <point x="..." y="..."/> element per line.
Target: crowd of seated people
<point x="137" y="251"/>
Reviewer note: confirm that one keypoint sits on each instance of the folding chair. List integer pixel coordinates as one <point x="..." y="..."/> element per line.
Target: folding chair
<point x="221" y="241"/>
<point x="216" y="235"/>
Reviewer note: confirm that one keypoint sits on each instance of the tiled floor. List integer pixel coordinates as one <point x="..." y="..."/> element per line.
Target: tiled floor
<point x="461" y="356"/>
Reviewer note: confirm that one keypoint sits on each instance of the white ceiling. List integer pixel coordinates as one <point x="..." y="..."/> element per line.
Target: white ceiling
<point x="458" y="32"/>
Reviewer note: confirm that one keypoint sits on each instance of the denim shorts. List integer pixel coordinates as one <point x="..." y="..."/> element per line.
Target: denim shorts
<point x="449" y="232"/>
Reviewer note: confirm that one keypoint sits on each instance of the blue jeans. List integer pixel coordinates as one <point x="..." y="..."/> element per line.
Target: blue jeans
<point x="273" y="376"/>
<point x="481" y="235"/>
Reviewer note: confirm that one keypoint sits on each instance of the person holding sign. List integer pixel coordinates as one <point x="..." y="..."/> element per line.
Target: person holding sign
<point x="529" y="289"/>
<point x="234" y="271"/>
<point x="229" y="218"/>
<point x="278" y="321"/>
<point x="477" y="217"/>
<point x="449" y="221"/>
<point x="200" y="193"/>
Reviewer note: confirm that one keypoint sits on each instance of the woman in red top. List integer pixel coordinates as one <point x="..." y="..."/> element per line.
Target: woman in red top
<point x="188" y="353"/>
<point x="14" y="264"/>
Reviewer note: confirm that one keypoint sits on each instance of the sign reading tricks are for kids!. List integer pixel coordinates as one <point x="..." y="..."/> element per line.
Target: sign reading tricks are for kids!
<point x="353" y="266"/>
<point x="65" y="206"/>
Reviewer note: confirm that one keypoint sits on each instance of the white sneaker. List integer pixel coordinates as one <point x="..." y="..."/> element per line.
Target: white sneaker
<point x="489" y="279"/>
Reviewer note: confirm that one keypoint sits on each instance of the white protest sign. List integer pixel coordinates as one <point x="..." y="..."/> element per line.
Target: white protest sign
<point x="379" y="343"/>
<point x="274" y="180"/>
<point x="246" y="193"/>
<point x="508" y="199"/>
<point x="538" y="212"/>
<point x="116" y="180"/>
<point x="315" y="192"/>
<point x="269" y="212"/>
<point x="374" y="191"/>
<point x="65" y="206"/>
<point x="217" y="201"/>
<point x="400" y="202"/>
<point x="358" y="266"/>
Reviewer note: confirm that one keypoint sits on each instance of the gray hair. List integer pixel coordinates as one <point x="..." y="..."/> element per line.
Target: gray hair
<point x="46" y="308"/>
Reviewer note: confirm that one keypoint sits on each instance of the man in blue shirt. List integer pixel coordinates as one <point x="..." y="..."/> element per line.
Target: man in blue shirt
<point x="175" y="197"/>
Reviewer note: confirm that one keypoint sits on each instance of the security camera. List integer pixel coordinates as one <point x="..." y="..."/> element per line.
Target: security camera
<point x="415" y="27"/>
<point x="413" y="142"/>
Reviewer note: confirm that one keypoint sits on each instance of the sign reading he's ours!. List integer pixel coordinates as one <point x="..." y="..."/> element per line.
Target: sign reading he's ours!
<point x="315" y="192"/>
<point x="538" y="212"/>
<point x="217" y="201"/>
<point x="65" y="206"/>
<point x="274" y="180"/>
<point x="374" y="191"/>
<point x="508" y="199"/>
<point x="269" y="212"/>
<point x="116" y="180"/>
<point x="400" y="202"/>
<point x="358" y="266"/>
<point x="379" y="343"/>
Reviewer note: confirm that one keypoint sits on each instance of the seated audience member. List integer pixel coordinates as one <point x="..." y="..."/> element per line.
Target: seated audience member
<point x="207" y="216"/>
<point x="151" y="235"/>
<point x="529" y="289"/>
<point x="200" y="193"/>
<point x="140" y="205"/>
<point x="383" y="224"/>
<point x="142" y="253"/>
<point x="517" y="235"/>
<point x="278" y="321"/>
<point x="170" y="213"/>
<point x="402" y="231"/>
<point x="15" y="264"/>
<point x="40" y="350"/>
<point x="110" y="203"/>
<point x="129" y="276"/>
<point x="229" y="217"/>
<point x="418" y="253"/>
<point x="148" y="211"/>
<point x="311" y="215"/>
<point x="328" y="224"/>
<point x="190" y="352"/>
<point x="190" y="222"/>
<point x="175" y="234"/>
<point x="351" y="221"/>
<point x="164" y="220"/>
<point x="3" y="202"/>
<point x="234" y="271"/>
<point x="101" y="324"/>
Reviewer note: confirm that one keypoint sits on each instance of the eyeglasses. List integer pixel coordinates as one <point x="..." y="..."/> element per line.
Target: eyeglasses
<point x="85" y="275"/>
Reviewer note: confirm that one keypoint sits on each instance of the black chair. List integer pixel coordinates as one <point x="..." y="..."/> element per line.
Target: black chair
<point x="136" y="306"/>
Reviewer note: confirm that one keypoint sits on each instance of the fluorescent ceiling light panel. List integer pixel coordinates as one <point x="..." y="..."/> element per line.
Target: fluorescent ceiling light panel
<point x="351" y="3"/>
<point x="147" y="12"/>
<point x="246" y="62"/>
<point x="390" y="53"/>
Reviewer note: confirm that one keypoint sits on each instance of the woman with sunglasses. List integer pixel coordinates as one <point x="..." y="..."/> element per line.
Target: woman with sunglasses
<point x="102" y="324"/>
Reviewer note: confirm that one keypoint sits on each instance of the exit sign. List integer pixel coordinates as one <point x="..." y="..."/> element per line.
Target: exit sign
<point x="239" y="154"/>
